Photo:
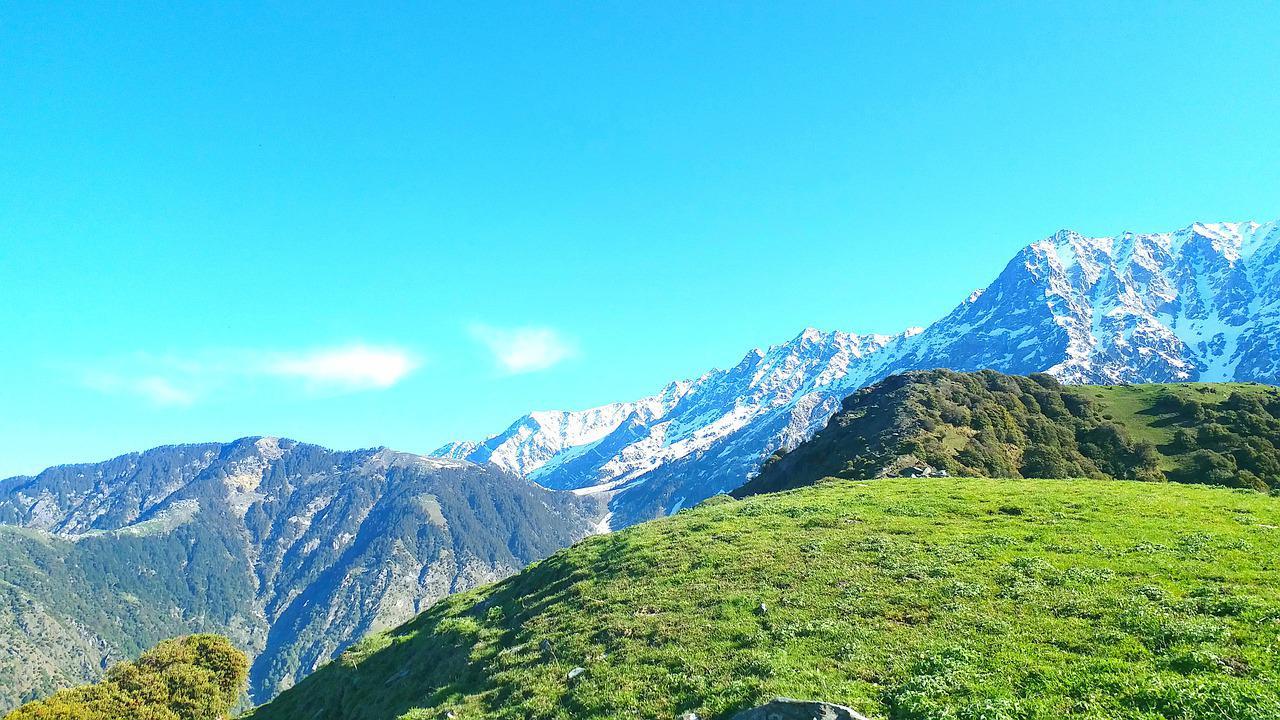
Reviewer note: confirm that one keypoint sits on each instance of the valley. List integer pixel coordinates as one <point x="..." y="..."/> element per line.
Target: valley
<point x="639" y="361"/>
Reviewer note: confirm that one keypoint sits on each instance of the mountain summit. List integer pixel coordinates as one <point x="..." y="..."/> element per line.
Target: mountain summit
<point x="1201" y="303"/>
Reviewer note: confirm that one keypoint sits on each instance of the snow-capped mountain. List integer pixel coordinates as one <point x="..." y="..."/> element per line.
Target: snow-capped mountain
<point x="712" y="429"/>
<point x="1201" y="303"/>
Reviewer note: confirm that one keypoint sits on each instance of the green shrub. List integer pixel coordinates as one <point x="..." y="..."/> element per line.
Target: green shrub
<point x="198" y="677"/>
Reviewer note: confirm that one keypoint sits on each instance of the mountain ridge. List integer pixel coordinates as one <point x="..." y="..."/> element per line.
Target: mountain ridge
<point x="291" y="549"/>
<point x="1199" y="303"/>
<point x="986" y="424"/>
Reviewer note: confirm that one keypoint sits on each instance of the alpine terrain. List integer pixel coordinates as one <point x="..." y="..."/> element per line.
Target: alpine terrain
<point x="905" y="599"/>
<point x="928" y="423"/>
<point x="292" y="550"/>
<point x="1201" y="303"/>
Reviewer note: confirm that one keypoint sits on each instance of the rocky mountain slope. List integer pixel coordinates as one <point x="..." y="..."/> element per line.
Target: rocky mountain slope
<point x="987" y="424"/>
<point x="293" y="550"/>
<point x="1201" y="303"/>
<point x="693" y="439"/>
<point x="902" y="599"/>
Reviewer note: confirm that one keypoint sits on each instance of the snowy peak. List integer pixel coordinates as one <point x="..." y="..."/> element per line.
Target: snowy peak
<point x="1200" y="303"/>
<point x="1129" y="308"/>
<point x="530" y="442"/>
<point x="611" y="449"/>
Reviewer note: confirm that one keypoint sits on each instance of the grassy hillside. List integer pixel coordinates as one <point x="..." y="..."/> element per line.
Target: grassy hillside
<point x="938" y="598"/>
<point x="1155" y="413"/>
<point x="991" y="425"/>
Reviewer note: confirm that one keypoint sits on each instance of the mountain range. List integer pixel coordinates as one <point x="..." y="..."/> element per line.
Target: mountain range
<point x="295" y="551"/>
<point x="1201" y="303"/>
<point x="292" y="550"/>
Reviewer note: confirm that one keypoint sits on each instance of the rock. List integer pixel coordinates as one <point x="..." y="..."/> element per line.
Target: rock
<point x="575" y="673"/>
<point x="788" y="709"/>
<point x="689" y="716"/>
<point x="763" y="609"/>
<point x="547" y="650"/>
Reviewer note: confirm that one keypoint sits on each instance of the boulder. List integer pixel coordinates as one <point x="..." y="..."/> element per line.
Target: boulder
<point x="788" y="709"/>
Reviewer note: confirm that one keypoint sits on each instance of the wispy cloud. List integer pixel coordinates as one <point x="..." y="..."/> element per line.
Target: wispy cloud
<point x="177" y="380"/>
<point x="524" y="349"/>
<point x="357" y="367"/>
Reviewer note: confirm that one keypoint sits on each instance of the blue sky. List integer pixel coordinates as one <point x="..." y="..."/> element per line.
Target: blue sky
<point x="407" y="223"/>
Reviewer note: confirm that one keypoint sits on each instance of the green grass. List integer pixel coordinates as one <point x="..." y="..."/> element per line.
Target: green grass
<point x="962" y="599"/>
<point x="1133" y="406"/>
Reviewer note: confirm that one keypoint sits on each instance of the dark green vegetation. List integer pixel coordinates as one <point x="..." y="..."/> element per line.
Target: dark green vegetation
<point x="291" y="550"/>
<point x="69" y="608"/>
<point x="906" y="599"/>
<point x="198" y="677"/>
<point x="991" y="425"/>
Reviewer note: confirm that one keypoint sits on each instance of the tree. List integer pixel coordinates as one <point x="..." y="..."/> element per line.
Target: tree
<point x="1184" y="440"/>
<point x="1045" y="461"/>
<point x="1211" y="468"/>
<point x="198" y="677"/>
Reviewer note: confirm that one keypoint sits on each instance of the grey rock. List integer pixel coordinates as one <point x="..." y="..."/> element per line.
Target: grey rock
<point x="575" y="673"/>
<point x="789" y="709"/>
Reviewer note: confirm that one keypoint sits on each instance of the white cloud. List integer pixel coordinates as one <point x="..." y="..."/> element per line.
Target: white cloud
<point x="524" y="349"/>
<point x="356" y="367"/>
<point x="182" y="380"/>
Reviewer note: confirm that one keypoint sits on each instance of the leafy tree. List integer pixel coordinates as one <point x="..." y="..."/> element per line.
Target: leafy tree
<point x="1145" y="462"/>
<point x="1045" y="461"/>
<point x="1211" y="468"/>
<point x="1184" y="440"/>
<point x="1215" y="434"/>
<point x="198" y="677"/>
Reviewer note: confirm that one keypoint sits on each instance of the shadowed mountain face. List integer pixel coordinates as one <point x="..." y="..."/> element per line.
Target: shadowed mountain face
<point x="1201" y="303"/>
<point x="291" y="549"/>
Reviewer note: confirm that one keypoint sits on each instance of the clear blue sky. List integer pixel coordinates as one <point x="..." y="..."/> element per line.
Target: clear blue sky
<point x="336" y="223"/>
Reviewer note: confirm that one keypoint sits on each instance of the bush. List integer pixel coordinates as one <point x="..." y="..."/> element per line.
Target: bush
<point x="1042" y="461"/>
<point x="1211" y="468"/>
<point x="198" y="677"/>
